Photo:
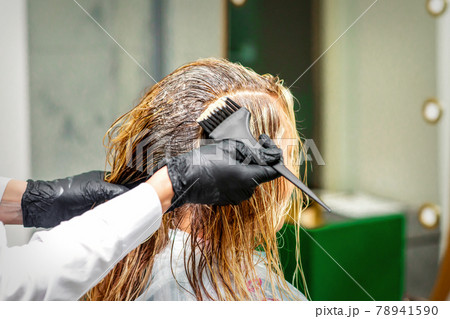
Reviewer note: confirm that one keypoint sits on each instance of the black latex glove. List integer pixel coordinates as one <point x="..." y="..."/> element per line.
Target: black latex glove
<point x="47" y="204"/>
<point x="216" y="173"/>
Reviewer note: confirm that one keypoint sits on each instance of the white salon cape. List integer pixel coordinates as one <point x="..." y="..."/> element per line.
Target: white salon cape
<point x="65" y="262"/>
<point x="170" y="282"/>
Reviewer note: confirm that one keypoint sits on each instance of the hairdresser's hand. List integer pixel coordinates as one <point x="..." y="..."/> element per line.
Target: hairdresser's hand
<point x="47" y="204"/>
<point x="216" y="173"/>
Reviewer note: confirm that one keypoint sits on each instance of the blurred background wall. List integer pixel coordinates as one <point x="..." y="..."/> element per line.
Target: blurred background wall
<point x="14" y="107"/>
<point x="375" y="81"/>
<point x="375" y="139"/>
<point x="81" y="80"/>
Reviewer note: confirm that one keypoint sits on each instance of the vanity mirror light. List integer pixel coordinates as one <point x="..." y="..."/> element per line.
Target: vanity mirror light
<point x="436" y="7"/>
<point x="429" y="215"/>
<point x="432" y="111"/>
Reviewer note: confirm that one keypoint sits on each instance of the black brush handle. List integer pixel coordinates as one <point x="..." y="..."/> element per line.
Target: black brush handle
<point x="283" y="170"/>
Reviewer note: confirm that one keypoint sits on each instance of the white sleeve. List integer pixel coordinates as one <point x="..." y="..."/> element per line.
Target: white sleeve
<point x="3" y="182"/>
<point x="65" y="262"/>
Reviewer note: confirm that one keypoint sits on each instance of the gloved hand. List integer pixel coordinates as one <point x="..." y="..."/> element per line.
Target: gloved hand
<point x="47" y="204"/>
<point x="216" y="173"/>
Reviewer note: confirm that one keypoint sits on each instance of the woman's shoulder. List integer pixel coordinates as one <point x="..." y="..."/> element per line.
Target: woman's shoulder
<point x="170" y="282"/>
<point x="275" y="289"/>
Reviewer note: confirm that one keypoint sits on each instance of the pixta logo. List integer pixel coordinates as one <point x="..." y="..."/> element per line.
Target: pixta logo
<point x="141" y="156"/>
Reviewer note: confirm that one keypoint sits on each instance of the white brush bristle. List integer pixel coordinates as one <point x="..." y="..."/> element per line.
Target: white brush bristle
<point x="211" y="108"/>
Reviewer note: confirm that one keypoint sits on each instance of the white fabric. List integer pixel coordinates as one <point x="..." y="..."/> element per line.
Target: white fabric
<point x="164" y="286"/>
<point x="66" y="261"/>
<point x="3" y="182"/>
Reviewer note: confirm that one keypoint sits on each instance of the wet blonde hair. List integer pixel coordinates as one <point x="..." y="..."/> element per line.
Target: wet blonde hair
<point x="163" y="123"/>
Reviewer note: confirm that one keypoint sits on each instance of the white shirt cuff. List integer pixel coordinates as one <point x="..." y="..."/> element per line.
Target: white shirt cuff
<point x="3" y="182"/>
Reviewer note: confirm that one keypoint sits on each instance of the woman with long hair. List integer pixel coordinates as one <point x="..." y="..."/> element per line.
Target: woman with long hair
<point x="204" y="252"/>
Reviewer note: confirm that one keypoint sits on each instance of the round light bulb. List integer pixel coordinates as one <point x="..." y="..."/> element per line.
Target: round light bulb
<point x="432" y="111"/>
<point x="238" y="3"/>
<point x="436" y="7"/>
<point x="429" y="215"/>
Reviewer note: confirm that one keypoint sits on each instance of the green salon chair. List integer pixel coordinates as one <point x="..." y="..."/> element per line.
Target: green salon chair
<point x="355" y="259"/>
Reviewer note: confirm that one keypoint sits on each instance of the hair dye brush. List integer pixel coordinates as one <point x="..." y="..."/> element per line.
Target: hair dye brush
<point x="228" y="120"/>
